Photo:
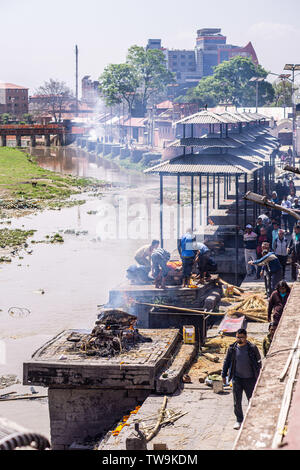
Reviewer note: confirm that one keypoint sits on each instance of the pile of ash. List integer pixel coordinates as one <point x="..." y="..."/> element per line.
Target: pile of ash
<point x="114" y="333"/>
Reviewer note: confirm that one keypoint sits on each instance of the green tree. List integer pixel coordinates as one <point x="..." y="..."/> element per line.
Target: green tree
<point x="283" y="93"/>
<point x="230" y="83"/>
<point x="5" y="118"/>
<point x="151" y="69"/>
<point x="28" y="118"/>
<point x="119" y="83"/>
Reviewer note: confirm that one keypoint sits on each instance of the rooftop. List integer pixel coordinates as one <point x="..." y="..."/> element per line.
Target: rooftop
<point x="11" y="86"/>
<point x="195" y="164"/>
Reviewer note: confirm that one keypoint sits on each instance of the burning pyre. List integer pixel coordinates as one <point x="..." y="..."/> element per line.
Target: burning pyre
<point x="114" y="333"/>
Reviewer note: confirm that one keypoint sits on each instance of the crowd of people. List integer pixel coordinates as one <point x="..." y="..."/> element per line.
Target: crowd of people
<point x="268" y="245"/>
<point x="274" y="238"/>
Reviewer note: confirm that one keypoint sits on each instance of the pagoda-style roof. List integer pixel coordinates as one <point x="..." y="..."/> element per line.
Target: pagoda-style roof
<point x="205" y="117"/>
<point x="196" y="164"/>
<point x="225" y="142"/>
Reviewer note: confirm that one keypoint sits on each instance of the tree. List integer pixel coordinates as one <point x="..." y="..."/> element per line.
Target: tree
<point x="28" y="118"/>
<point x="151" y="69"/>
<point x="283" y="93"/>
<point x="230" y="83"/>
<point x="52" y="98"/>
<point x="5" y="118"/>
<point x="119" y="83"/>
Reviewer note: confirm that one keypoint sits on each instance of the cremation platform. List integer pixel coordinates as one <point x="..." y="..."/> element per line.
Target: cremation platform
<point x="58" y="363"/>
<point x="88" y="395"/>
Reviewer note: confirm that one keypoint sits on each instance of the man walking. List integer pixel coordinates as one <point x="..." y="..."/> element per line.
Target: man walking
<point x="242" y="365"/>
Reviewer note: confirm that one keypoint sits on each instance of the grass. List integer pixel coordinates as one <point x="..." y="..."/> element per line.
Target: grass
<point x="22" y="178"/>
<point x="14" y="238"/>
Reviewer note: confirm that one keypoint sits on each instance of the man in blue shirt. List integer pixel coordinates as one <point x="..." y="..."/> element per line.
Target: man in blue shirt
<point x="271" y="268"/>
<point x="187" y="253"/>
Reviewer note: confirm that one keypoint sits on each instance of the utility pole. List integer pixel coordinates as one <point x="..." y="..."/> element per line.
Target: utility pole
<point x="76" y="78"/>
<point x="293" y="67"/>
<point x="257" y="80"/>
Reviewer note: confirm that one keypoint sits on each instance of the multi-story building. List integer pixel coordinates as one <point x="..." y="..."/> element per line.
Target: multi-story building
<point x="13" y="99"/>
<point x="89" y="91"/>
<point x="211" y="49"/>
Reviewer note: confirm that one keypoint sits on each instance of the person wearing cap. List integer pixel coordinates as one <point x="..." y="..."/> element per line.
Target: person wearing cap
<point x="250" y="243"/>
<point x="296" y="205"/>
<point x="272" y="269"/>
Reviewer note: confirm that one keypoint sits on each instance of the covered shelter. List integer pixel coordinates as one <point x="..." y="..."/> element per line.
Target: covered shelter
<point x="222" y="153"/>
<point x="211" y="166"/>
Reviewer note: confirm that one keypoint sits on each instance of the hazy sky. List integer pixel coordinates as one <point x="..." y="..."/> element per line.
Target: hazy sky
<point x="38" y="38"/>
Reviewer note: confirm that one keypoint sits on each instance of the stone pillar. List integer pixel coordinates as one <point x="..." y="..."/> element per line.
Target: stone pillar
<point x="47" y="140"/>
<point x="3" y="140"/>
<point x="32" y="141"/>
<point x="18" y="141"/>
<point x="81" y="412"/>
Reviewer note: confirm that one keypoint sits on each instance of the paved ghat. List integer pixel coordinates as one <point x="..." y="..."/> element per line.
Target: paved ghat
<point x="260" y="423"/>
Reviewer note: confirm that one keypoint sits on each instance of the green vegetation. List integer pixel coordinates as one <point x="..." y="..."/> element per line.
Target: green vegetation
<point x="24" y="185"/>
<point x="230" y="83"/>
<point x="143" y="76"/>
<point x="14" y="238"/>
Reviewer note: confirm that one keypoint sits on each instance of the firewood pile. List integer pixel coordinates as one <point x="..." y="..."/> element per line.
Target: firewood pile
<point x="114" y="332"/>
<point x="254" y="307"/>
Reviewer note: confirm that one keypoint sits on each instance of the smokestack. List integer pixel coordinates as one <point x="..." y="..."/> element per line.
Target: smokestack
<point x="76" y="67"/>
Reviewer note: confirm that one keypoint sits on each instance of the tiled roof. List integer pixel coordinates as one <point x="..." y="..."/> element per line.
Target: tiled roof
<point x="165" y="105"/>
<point x="209" y="142"/>
<point x="12" y="86"/>
<point x="249" y="154"/>
<point x="205" y="117"/>
<point x="194" y="164"/>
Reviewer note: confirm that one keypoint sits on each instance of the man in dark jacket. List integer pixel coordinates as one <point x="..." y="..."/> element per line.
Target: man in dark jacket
<point x="242" y="365"/>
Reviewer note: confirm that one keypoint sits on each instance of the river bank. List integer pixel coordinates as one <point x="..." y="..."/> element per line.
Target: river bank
<point x="59" y="285"/>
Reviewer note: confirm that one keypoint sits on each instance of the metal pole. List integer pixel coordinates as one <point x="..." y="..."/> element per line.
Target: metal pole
<point x="161" y="209"/>
<point x="256" y="95"/>
<point x="207" y="197"/>
<point x="294" y="117"/>
<point x="245" y="202"/>
<point x="192" y="202"/>
<point x="76" y="78"/>
<point x="218" y="191"/>
<point x="214" y="191"/>
<point x="236" y="230"/>
<point x="200" y="198"/>
<point x="178" y="207"/>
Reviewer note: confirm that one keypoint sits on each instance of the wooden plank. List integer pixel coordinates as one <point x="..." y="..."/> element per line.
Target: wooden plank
<point x="181" y="309"/>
